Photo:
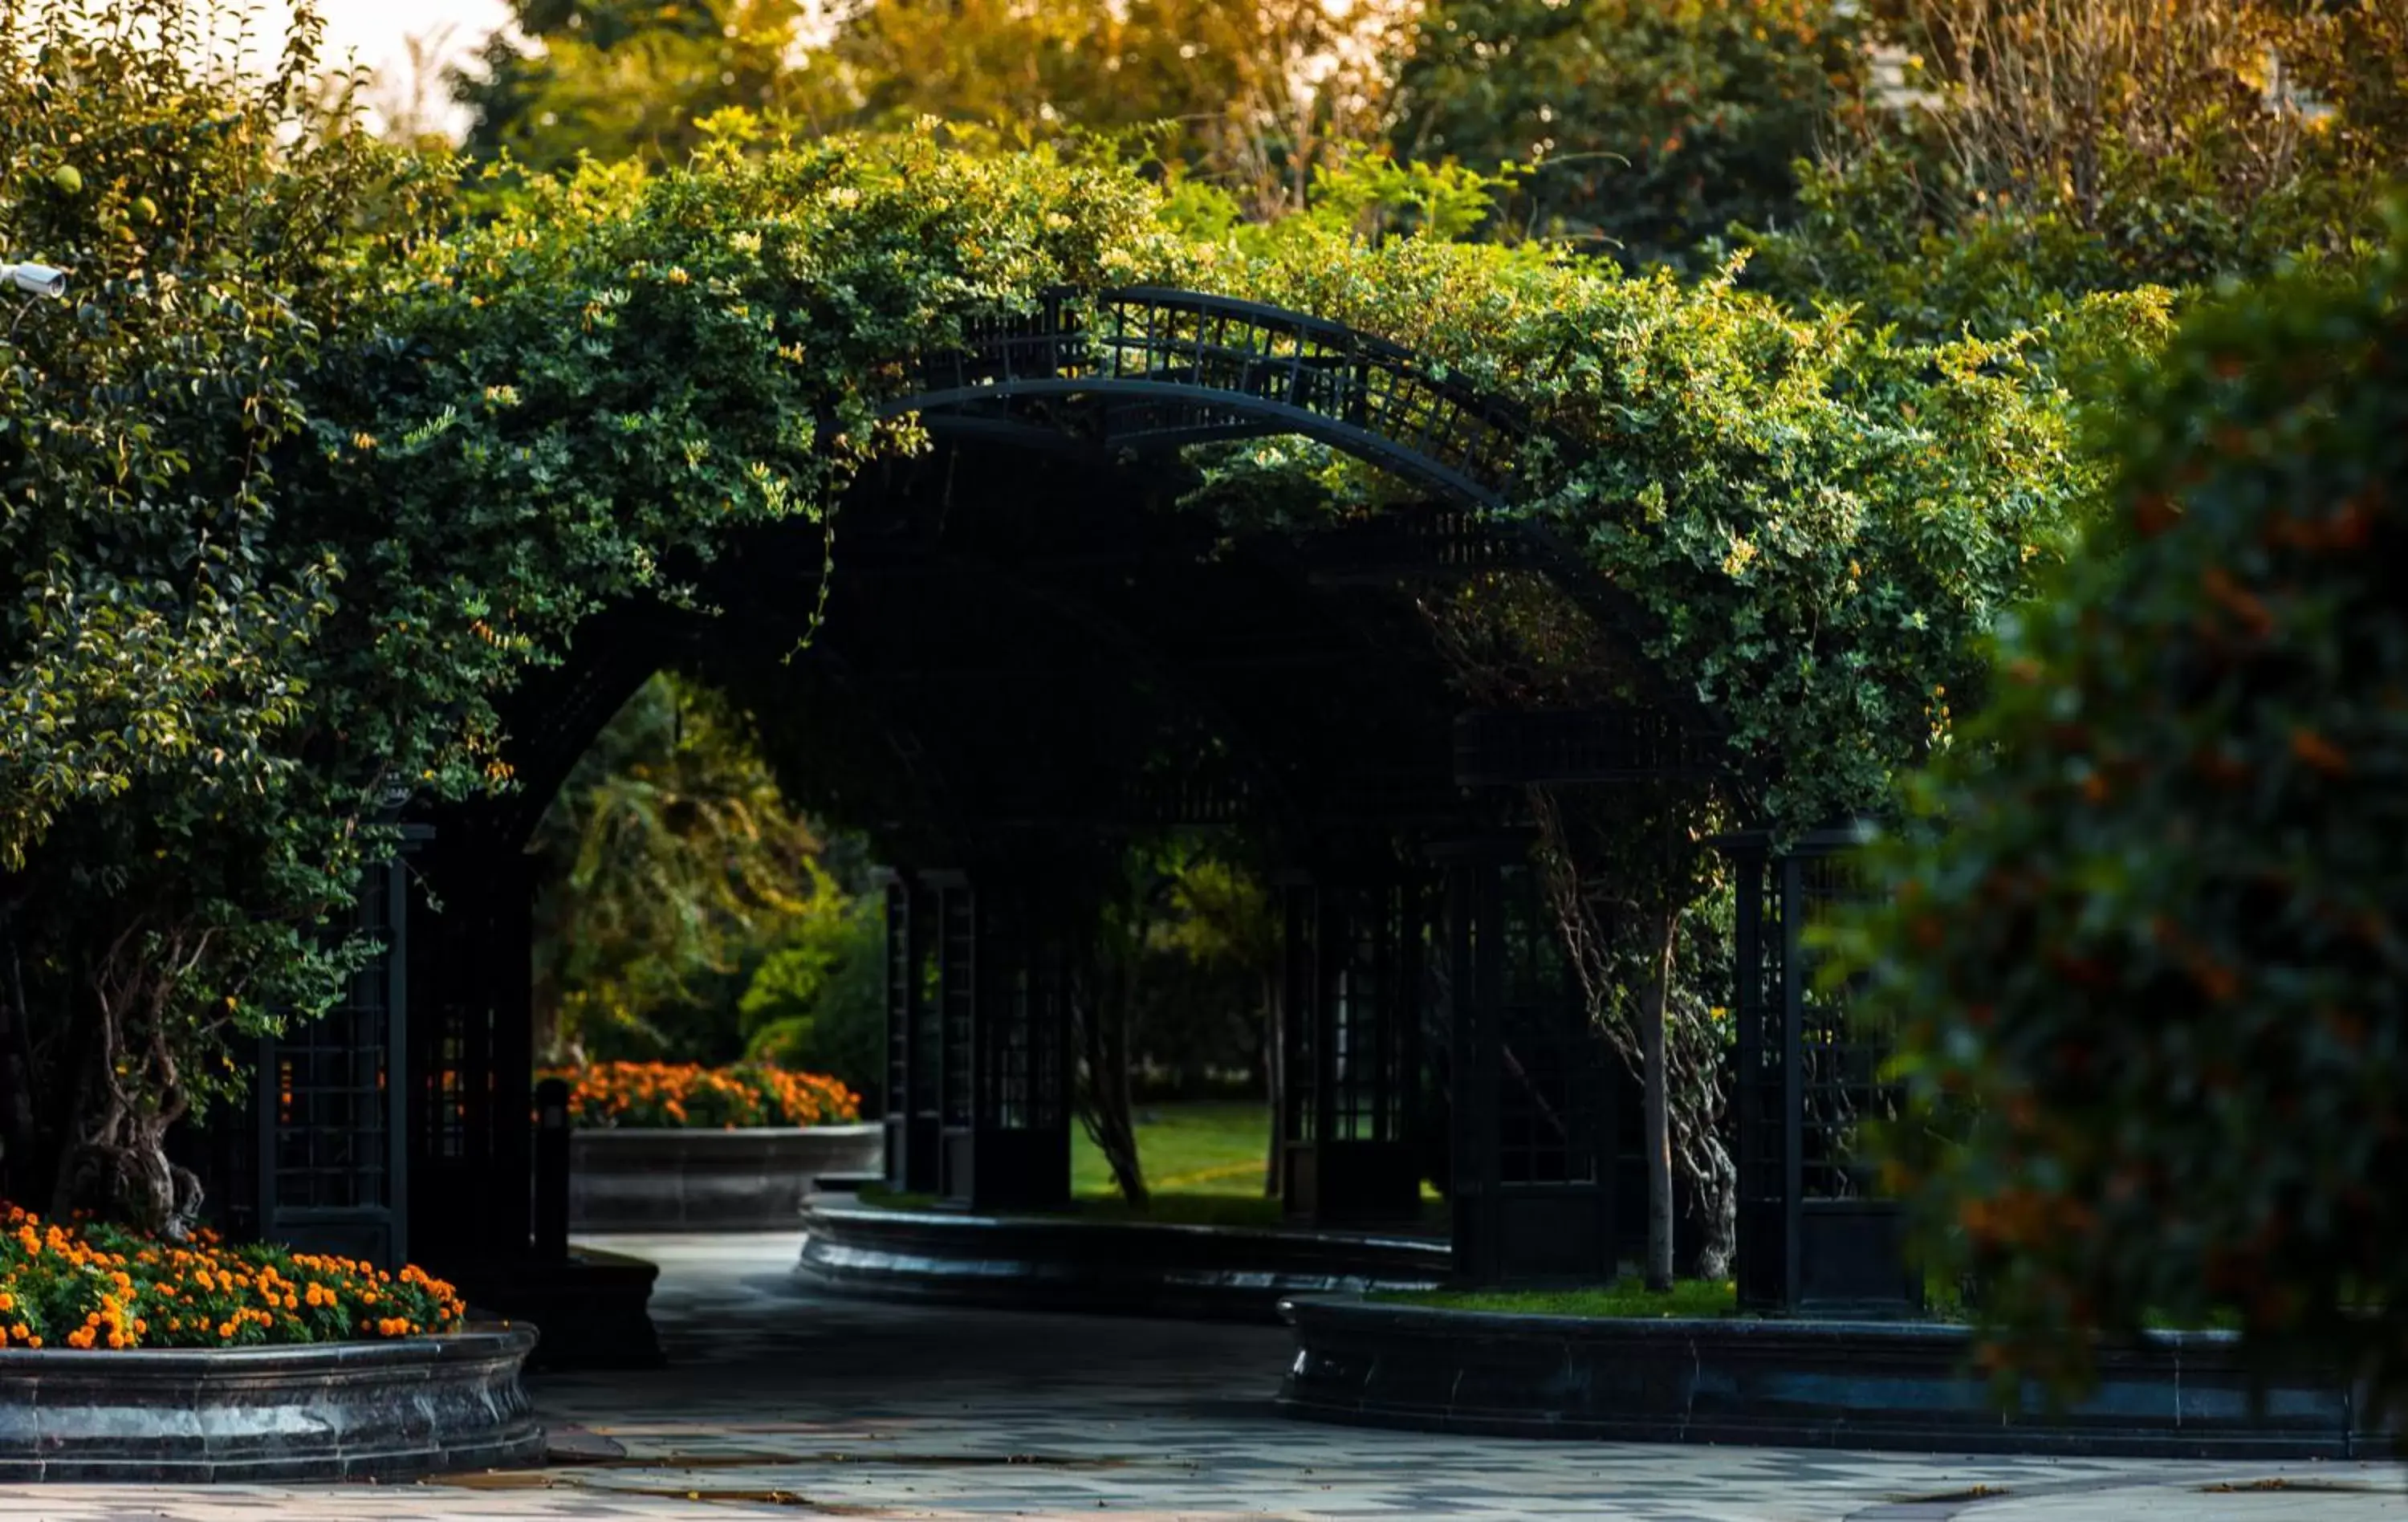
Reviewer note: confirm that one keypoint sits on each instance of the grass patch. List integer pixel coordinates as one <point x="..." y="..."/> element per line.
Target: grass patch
<point x="1203" y="1166"/>
<point x="1188" y="1150"/>
<point x="1624" y="1299"/>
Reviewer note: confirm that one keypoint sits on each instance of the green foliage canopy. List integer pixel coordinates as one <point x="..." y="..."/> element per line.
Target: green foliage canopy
<point x="1822" y="522"/>
<point x="2151" y="982"/>
<point x="482" y="439"/>
<point x="817" y="1002"/>
<point x="184" y="794"/>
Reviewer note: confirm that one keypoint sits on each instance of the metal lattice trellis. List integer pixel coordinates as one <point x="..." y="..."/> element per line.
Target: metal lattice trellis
<point x="332" y="1151"/>
<point x="1533" y="1096"/>
<point x="1814" y="1234"/>
<point x="1170" y="368"/>
<point x="1356" y="951"/>
<point x="1138" y="371"/>
<point x="1149" y="368"/>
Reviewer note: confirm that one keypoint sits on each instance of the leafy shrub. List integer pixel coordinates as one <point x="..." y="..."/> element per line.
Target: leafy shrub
<point x="669" y="855"/>
<point x="819" y="1001"/>
<point x="690" y="1097"/>
<point x="2151" y="985"/>
<point x="101" y="1286"/>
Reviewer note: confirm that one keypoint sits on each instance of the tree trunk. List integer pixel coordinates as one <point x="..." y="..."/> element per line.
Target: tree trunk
<point x="1656" y="1142"/>
<point x="115" y="1166"/>
<point x="122" y="1091"/>
<point x="1718" y="1202"/>
<point x="1107" y="1112"/>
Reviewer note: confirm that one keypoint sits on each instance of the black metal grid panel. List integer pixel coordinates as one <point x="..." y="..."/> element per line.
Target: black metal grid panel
<point x="1416" y="540"/>
<point x="1006" y="1073"/>
<point x="1760" y="1089"/>
<point x="924" y="979"/>
<point x="1552" y="1082"/>
<point x="1023" y="1014"/>
<point x="957" y="999"/>
<point x="1187" y="798"/>
<point x="1839" y="1062"/>
<point x="1049" y="1023"/>
<point x="447" y="1088"/>
<point x="470" y="1047"/>
<point x="898" y="996"/>
<point x="1377" y="937"/>
<point x="329" y="1142"/>
<point x="1581" y="745"/>
<point x="1300" y="1011"/>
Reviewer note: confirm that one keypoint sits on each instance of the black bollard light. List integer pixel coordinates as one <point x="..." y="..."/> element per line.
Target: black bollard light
<point x="552" y="1171"/>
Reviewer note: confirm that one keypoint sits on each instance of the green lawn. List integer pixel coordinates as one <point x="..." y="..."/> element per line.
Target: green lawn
<point x="1203" y="1166"/>
<point x="1624" y="1299"/>
<point x="1187" y="1150"/>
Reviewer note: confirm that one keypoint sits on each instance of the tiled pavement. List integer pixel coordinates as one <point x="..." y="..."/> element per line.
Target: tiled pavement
<point x="779" y="1404"/>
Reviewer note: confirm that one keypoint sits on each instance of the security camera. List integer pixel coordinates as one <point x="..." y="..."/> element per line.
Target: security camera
<point x="36" y="279"/>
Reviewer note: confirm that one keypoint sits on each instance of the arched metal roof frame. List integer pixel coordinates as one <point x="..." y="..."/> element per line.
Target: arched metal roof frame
<point x="1144" y="370"/>
<point x="1147" y="368"/>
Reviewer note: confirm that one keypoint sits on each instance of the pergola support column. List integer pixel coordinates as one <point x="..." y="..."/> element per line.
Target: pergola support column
<point x="1534" y="1096"/>
<point x="978" y="1072"/>
<point x="1355" y="972"/>
<point x="1814" y="1238"/>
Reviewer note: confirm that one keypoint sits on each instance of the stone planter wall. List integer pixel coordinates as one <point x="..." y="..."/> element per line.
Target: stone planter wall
<point x="345" y="1411"/>
<point x="592" y="1307"/>
<point x="1792" y="1384"/>
<point x="746" y="1180"/>
<point x="1052" y="1262"/>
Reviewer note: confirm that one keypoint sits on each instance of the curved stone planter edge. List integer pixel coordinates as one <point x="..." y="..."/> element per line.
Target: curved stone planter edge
<point x="1038" y="1263"/>
<point x="750" y="1178"/>
<point x="1792" y="1384"/>
<point x="337" y="1411"/>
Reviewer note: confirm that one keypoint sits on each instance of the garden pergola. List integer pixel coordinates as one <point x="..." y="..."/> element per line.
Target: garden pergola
<point x="1030" y="653"/>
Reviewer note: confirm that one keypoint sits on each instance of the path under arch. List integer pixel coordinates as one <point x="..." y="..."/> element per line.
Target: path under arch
<point x="781" y="1403"/>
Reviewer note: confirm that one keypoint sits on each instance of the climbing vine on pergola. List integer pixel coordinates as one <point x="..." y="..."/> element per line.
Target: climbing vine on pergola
<point x="491" y="429"/>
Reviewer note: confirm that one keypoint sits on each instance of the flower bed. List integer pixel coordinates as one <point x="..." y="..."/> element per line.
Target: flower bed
<point x="658" y="1146"/>
<point x="104" y="1288"/>
<point x="125" y="1358"/>
<point x="689" y="1096"/>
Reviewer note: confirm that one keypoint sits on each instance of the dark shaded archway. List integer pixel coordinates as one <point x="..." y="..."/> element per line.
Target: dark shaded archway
<point x="1030" y="647"/>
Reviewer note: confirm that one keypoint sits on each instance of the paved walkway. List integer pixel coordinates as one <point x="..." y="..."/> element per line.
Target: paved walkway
<point x="779" y="1404"/>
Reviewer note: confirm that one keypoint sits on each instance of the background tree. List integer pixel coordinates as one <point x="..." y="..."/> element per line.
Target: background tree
<point x="2151" y="983"/>
<point x="817" y="1002"/>
<point x="670" y="860"/>
<point x="1251" y="95"/>
<point x="175" y="828"/>
<point x="2028" y="152"/>
<point x="620" y="79"/>
<point x="1642" y="129"/>
<point x="1221" y="920"/>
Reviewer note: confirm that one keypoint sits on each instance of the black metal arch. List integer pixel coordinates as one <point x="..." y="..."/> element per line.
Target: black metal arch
<point x="1148" y="368"/>
<point x="1094" y="591"/>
